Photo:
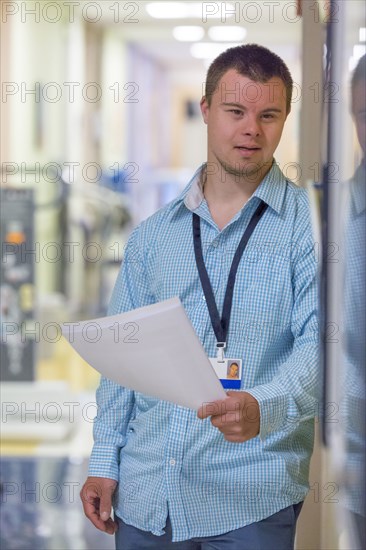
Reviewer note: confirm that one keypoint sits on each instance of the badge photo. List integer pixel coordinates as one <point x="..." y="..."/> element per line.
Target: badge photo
<point x="228" y="371"/>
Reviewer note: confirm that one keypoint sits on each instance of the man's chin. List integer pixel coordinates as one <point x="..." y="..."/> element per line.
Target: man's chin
<point x="248" y="171"/>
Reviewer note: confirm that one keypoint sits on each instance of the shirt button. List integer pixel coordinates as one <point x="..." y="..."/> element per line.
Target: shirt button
<point x="172" y="462"/>
<point x="215" y="244"/>
<point x="203" y="297"/>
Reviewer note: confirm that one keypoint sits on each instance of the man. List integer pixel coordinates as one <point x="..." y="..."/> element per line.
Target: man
<point x="358" y="91"/>
<point x="353" y="381"/>
<point x="234" y="474"/>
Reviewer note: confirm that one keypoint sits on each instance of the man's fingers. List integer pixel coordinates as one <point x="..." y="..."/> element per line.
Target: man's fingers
<point x="111" y="526"/>
<point x="94" y="517"/>
<point x="105" y="506"/>
<point x="215" y="408"/>
<point x="227" y="419"/>
<point x="96" y="496"/>
<point x="92" y="511"/>
<point x="208" y="409"/>
<point x="90" y="492"/>
<point x="237" y="417"/>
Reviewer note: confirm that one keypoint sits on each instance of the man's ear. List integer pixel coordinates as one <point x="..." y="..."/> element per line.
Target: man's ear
<point x="204" y="109"/>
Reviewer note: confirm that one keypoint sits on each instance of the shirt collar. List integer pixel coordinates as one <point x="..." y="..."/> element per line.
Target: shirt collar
<point x="271" y="190"/>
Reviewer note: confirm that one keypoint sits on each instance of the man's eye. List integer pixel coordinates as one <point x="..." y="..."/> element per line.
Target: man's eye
<point x="236" y="111"/>
<point x="267" y="116"/>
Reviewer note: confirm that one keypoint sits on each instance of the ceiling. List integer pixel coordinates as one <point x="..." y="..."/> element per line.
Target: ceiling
<point x="274" y="24"/>
<point x="267" y="23"/>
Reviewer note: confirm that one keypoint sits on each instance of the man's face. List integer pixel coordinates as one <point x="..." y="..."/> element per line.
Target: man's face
<point x="233" y="370"/>
<point x="244" y="123"/>
<point x="359" y="112"/>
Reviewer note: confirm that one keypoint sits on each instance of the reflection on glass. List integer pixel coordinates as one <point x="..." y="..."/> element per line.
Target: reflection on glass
<point x="353" y="407"/>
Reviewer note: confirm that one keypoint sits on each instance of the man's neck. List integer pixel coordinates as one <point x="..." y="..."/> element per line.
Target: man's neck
<point x="228" y="191"/>
<point x="224" y="195"/>
<point x="227" y="195"/>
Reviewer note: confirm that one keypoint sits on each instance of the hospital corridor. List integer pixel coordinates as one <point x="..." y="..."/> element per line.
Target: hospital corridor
<point x="103" y="125"/>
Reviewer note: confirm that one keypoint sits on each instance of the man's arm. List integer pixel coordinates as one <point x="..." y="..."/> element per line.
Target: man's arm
<point x="292" y="396"/>
<point x="115" y="403"/>
<point x="294" y="393"/>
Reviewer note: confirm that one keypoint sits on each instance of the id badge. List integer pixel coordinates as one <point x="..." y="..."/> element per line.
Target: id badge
<point x="228" y="371"/>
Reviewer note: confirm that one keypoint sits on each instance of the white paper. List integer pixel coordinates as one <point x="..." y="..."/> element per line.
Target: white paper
<point x="153" y="350"/>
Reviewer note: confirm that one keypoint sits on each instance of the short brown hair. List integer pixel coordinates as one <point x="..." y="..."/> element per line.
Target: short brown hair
<point x="251" y="60"/>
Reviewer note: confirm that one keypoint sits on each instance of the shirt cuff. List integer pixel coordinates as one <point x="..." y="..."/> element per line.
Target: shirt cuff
<point x="104" y="462"/>
<point x="273" y="404"/>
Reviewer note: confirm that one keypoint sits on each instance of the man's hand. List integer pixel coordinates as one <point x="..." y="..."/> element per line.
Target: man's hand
<point x="96" y="496"/>
<point x="237" y="416"/>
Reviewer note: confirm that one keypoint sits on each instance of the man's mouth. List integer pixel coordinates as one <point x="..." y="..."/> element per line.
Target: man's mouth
<point x="246" y="151"/>
<point x="246" y="148"/>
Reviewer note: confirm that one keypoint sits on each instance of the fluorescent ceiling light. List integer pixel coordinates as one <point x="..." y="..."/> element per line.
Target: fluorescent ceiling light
<point x="230" y="34"/>
<point x="182" y="10"/>
<point x="362" y="34"/>
<point x="352" y="64"/>
<point x="188" y="33"/>
<point x="210" y="50"/>
<point x="167" y="10"/>
<point x="359" y="50"/>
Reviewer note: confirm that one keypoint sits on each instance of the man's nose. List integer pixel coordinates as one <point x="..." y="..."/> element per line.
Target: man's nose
<point x="251" y="126"/>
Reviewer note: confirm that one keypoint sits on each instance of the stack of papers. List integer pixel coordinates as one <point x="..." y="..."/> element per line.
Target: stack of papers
<point x="153" y="350"/>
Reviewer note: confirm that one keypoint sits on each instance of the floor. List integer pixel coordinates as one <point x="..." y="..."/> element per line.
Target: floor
<point x="40" y="506"/>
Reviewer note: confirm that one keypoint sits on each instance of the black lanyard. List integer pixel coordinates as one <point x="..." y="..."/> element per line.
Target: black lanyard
<point x="221" y="326"/>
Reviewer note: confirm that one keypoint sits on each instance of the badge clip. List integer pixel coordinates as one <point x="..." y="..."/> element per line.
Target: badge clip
<point x="220" y="351"/>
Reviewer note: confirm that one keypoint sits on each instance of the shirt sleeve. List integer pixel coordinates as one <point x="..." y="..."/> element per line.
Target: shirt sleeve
<point x="293" y="394"/>
<point x="115" y="404"/>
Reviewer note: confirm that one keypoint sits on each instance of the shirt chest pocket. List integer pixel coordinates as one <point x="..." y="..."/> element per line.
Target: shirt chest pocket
<point x="264" y="285"/>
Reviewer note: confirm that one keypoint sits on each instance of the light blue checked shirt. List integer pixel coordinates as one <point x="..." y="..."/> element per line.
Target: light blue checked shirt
<point x="352" y="380"/>
<point x="165" y="459"/>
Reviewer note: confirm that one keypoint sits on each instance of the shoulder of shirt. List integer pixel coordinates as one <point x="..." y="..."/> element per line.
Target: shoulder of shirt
<point x="299" y="195"/>
<point x="148" y="229"/>
<point x="297" y="206"/>
<point x="296" y="196"/>
<point x="303" y="229"/>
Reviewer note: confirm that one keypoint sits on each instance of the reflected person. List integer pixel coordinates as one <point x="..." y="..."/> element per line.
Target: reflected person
<point x="352" y="406"/>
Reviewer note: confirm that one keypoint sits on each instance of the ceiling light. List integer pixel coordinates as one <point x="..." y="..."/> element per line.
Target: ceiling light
<point x="167" y="10"/>
<point x="359" y="50"/>
<point x="188" y="33"/>
<point x="182" y="10"/>
<point x="222" y="34"/>
<point x="210" y="50"/>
